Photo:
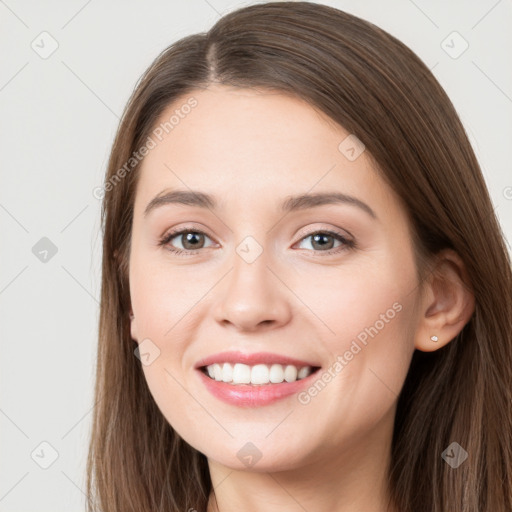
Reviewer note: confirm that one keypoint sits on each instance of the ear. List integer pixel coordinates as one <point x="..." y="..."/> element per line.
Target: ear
<point x="447" y="302"/>
<point x="133" y="326"/>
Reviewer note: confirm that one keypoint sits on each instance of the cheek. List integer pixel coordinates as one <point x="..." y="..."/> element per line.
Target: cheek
<point x="370" y="314"/>
<point x="367" y="313"/>
<point x="160" y="294"/>
<point x="179" y="407"/>
<point x="162" y="307"/>
<point x="350" y="298"/>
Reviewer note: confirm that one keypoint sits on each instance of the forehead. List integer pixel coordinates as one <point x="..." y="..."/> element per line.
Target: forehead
<point x="254" y="142"/>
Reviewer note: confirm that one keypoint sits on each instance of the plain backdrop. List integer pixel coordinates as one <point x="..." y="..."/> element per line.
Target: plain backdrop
<point x="59" y="113"/>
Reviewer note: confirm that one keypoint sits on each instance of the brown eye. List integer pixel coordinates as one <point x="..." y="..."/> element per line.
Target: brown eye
<point x="190" y="240"/>
<point x="323" y="241"/>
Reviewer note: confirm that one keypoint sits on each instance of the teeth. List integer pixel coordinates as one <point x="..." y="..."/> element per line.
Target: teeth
<point x="291" y="374"/>
<point x="241" y="373"/>
<point x="258" y="374"/>
<point x="303" y="372"/>
<point x="227" y="373"/>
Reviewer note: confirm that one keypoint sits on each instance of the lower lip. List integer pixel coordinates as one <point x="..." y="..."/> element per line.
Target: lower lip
<point x="247" y="395"/>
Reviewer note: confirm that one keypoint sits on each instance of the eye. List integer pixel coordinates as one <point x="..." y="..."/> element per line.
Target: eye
<point x="321" y="239"/>
<point x="191" y="242"/>
<point x="194" y="240"/>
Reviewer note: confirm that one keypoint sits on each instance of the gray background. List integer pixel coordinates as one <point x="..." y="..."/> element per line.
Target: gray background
<point x="58" y="119"/>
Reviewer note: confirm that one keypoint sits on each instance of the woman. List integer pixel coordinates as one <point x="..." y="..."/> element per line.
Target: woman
<point x="305" y="291"/>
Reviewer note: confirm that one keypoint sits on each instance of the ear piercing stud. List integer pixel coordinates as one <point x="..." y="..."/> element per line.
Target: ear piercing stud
<point x="434" y="338"/>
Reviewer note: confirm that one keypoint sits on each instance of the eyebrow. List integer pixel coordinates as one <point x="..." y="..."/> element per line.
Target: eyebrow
<point x="291" y="203"/>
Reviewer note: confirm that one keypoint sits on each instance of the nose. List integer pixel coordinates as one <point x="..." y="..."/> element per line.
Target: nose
<point x="253" y="297"/>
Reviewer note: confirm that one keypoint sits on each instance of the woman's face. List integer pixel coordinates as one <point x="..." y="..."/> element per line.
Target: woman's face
<point x="263" y="278"/>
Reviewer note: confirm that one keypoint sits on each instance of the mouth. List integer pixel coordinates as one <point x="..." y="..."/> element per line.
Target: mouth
<point x="255" y="386"/>
<point x="254" y="379"/>
<point x="257" y="375"/>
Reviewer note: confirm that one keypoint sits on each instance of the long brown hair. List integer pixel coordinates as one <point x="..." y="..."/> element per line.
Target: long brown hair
<point x="375" y="87"/>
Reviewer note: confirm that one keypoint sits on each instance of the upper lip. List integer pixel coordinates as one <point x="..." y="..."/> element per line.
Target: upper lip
<point x="252" y="359"/>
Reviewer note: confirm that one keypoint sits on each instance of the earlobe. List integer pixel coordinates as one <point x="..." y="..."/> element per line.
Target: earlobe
<point x="133" y="327"/>
<point x="447" y="304"/>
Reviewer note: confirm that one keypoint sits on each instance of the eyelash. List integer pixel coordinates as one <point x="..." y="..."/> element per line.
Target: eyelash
<point x="165" y="241"/>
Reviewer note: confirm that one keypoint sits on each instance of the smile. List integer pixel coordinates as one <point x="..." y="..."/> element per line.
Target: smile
<point x="259" y="374"/>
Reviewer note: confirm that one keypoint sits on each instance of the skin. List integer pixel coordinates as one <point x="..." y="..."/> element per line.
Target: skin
<point x="332" y="453"/>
